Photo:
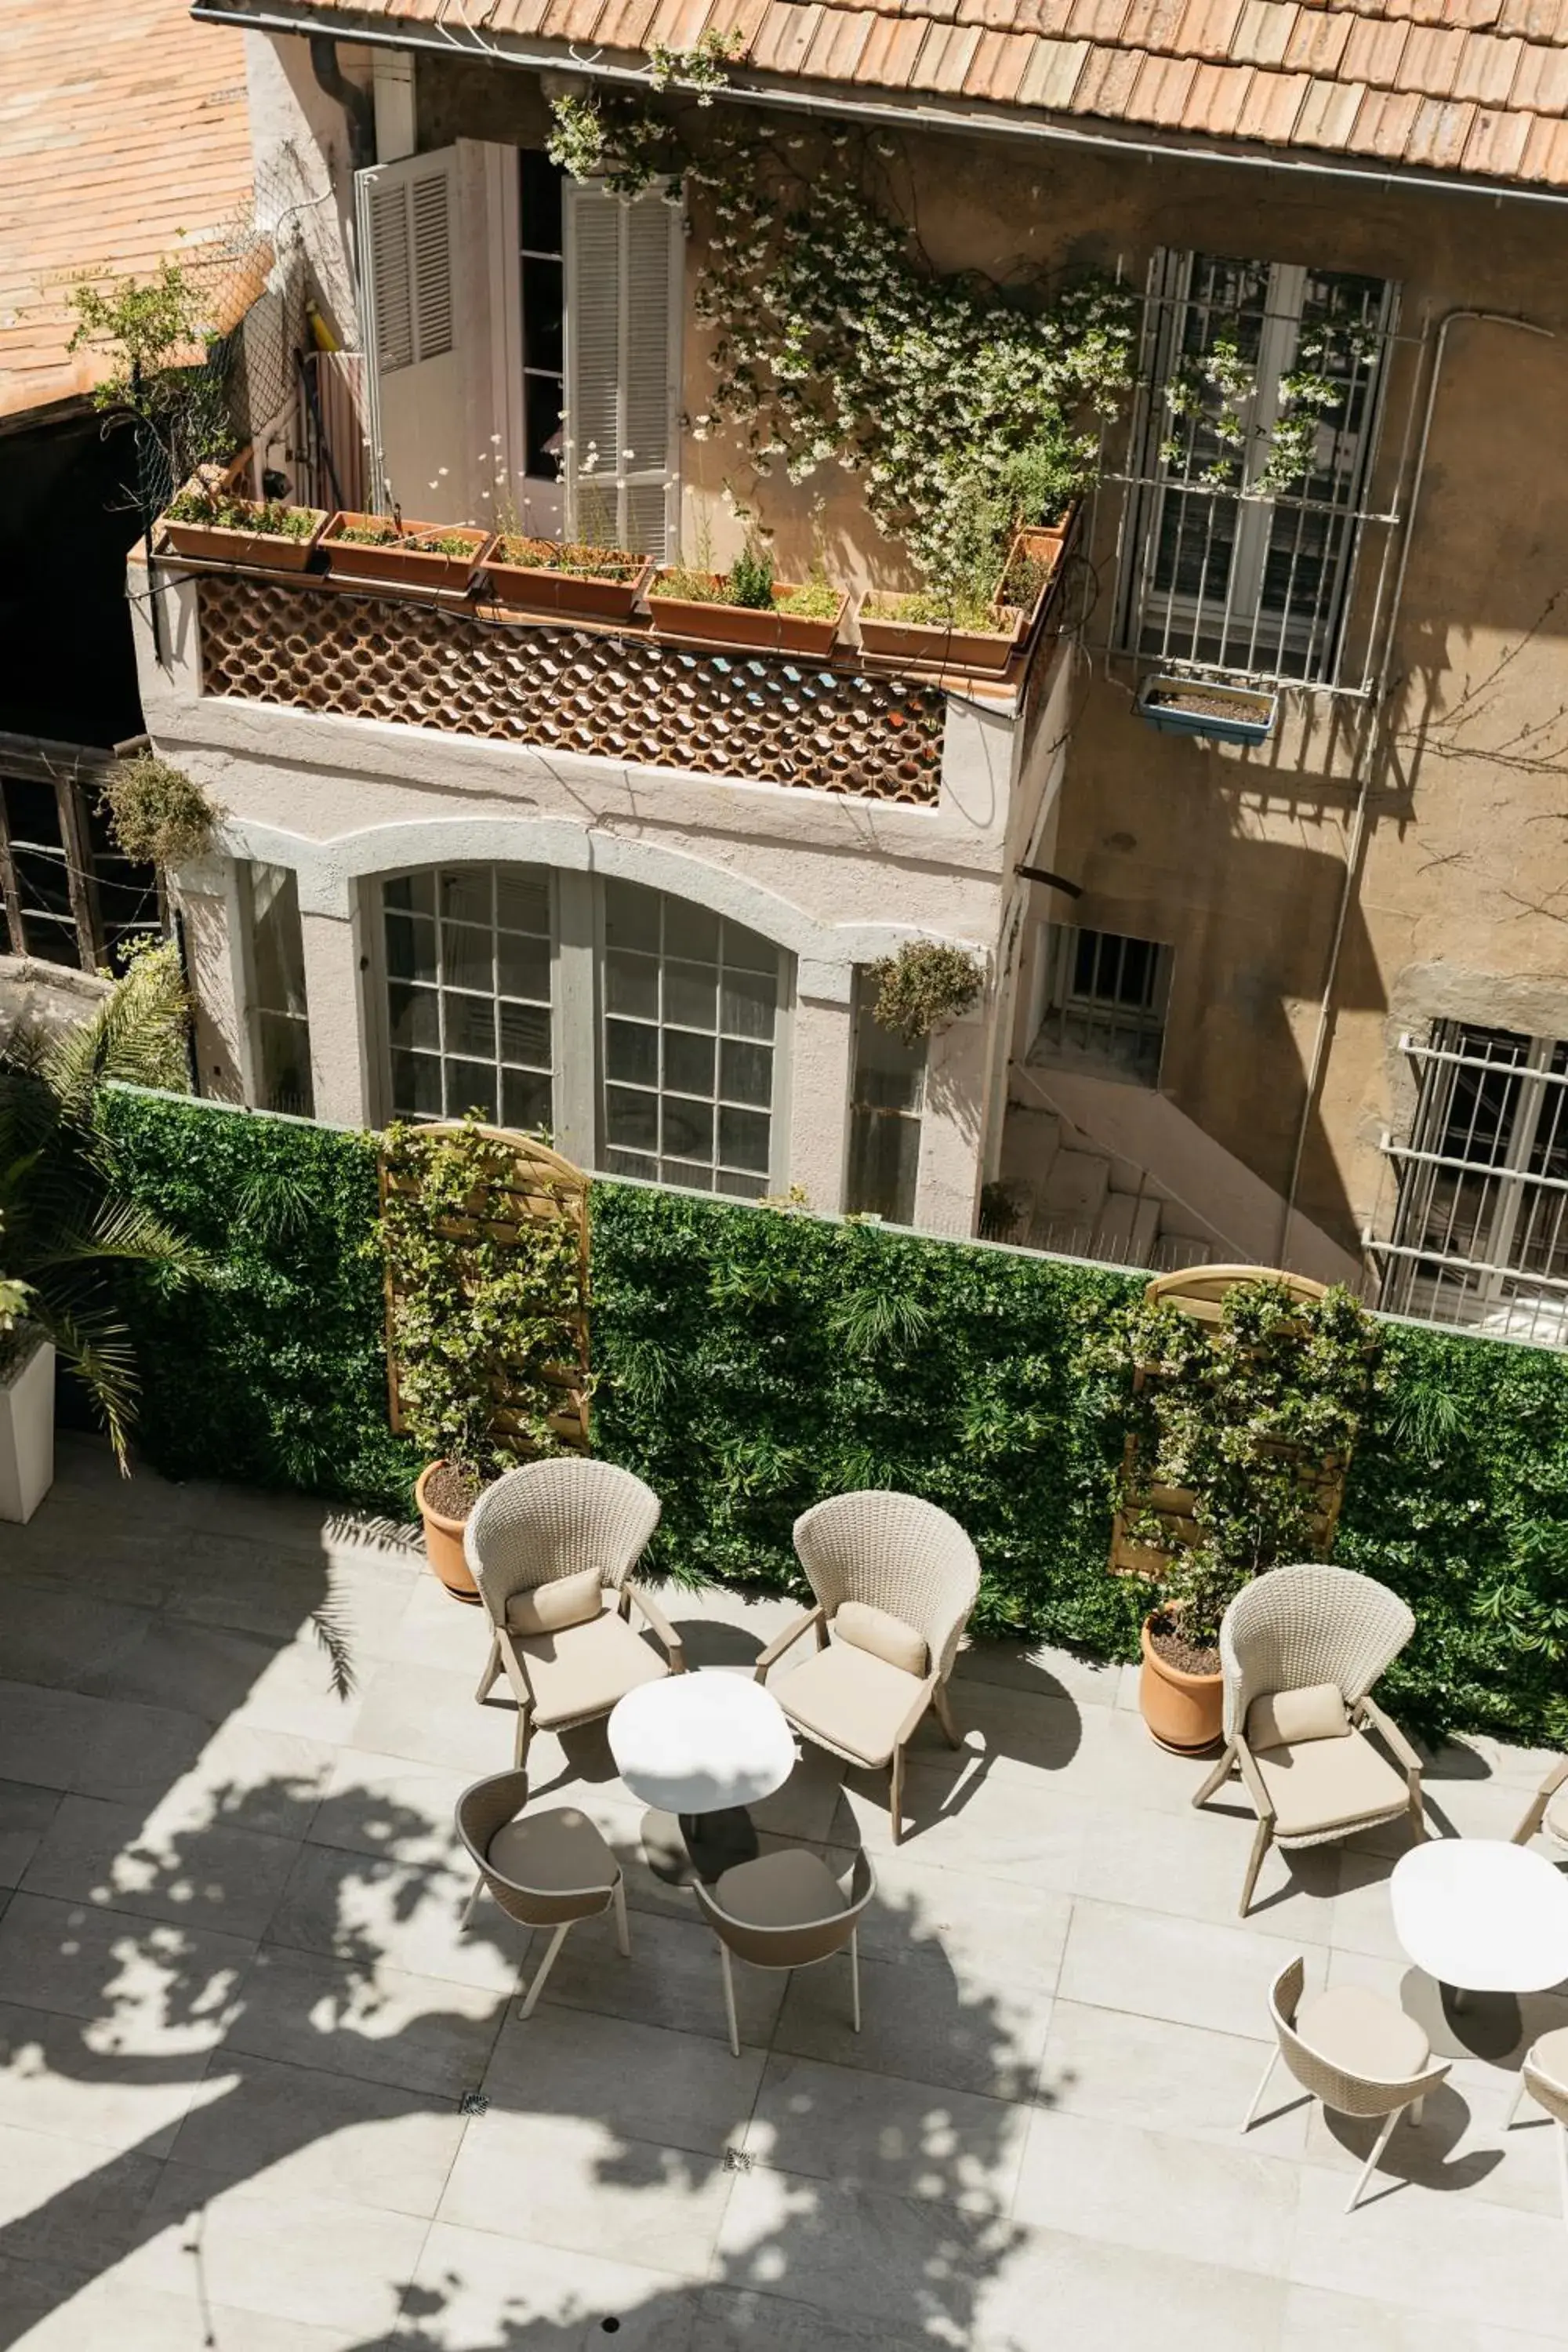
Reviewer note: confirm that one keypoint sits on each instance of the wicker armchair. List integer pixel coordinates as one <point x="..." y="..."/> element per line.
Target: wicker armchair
<point x="545" y="1545"/>
<point x="1540" y="1813"/>
<point x="1299" y="1650"/>
<point x="1353" y="2051"/>
<point x="1544" y="2078"/>
<point x="905" y="1577"/>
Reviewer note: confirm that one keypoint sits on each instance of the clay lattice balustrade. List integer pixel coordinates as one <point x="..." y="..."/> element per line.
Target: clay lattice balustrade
<point x="765" y="717"/>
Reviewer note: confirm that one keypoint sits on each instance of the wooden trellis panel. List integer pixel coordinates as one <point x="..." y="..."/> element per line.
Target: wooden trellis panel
<point x="1199" y="1291"/>
<point x="537" y="1184"/>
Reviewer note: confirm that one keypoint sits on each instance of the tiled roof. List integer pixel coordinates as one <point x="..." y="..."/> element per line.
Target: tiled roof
<point x="1468" y="87"/>
<point x="124" y="138"/>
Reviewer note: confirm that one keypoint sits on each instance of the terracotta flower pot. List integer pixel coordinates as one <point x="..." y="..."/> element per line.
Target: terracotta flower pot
<point x="444" y="1542"/>
<point x="939" y="646"/>
<point x="1183" y="1712"/>
<point x="747" y="625"/>
<point x="400" y="562"/>
<point x="266" y="550"/>
<point x="576" y="595"/>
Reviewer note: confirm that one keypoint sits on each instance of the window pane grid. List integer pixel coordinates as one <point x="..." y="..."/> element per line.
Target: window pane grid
<point x="1105" y="1001"/>
<point x="689" y="1026"/>
<point x="469" y="960"/>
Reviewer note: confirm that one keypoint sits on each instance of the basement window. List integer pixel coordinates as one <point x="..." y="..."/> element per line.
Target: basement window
<point x="1104" y="1006"/>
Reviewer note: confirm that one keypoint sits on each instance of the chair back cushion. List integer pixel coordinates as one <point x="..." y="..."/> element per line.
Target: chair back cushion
<point x="551" y="1608"/>
<point x="897" y="1552"/>
<point x="885" y="1635"/>
<point x="552" y="1519"/>
<point x="1305" y="1623"/>
<point x="1287" y="1718"/>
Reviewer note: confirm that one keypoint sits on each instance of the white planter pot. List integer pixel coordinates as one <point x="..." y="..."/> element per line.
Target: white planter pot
<point x="27" y="1434"/>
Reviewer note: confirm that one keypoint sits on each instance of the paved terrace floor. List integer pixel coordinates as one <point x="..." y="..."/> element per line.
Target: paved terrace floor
<point x="238" y="2020"/>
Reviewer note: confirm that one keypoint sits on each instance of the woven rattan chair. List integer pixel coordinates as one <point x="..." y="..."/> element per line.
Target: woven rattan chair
<point x="1353" y="2051"/>
<point x="547" y="1869"/>
<point x="1544" y="2075"/>
<point x="545" y="1545"/>
<point x="1540" y="1813"/>
<point x="911" y="1575"/>
<point x="1299" y="1650"/>
<point x="786" y="1910"/>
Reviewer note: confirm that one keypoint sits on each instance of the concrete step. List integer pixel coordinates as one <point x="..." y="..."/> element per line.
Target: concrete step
<point x="1129" y="1229"/>
<point x="1030" y="1141"/>
<point x="1075" y="1192"/>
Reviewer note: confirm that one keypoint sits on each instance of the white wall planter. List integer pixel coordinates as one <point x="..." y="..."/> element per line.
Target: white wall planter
<point x="28" y="1432"/>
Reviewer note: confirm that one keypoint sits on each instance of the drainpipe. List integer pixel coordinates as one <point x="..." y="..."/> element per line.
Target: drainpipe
<point x="354" y="101"/>
<point x="1358" y="824"/>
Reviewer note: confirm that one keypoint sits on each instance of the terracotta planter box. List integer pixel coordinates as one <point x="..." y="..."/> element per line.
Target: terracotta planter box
<point x="1183" y="1712"/>
<point x="747" y="625"/>
<point x="577" y="595"/>
<point x="269" y="550"/>
<point x="939" y="646"/>
<point x="1047" y="546"/>
<point x="398" y="564"/>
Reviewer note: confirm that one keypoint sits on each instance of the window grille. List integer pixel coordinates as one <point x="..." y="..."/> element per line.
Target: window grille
<point x="1224" y="567"/>
<point x="1105" y="1000"/>
<point x="887" y="1096"/>
<point x="1480" y="1229"/>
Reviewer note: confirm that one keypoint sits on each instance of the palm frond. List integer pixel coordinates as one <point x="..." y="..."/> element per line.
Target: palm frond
<point x="95" y="1347"/>
<point x="137" y="1035"/>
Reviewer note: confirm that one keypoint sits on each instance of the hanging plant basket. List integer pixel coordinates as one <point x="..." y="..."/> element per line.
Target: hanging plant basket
<point x="1192" y="705"/>
<point x="769" y="631"/>
<point x="586" y="583"/>
<point x="419" y="555"/>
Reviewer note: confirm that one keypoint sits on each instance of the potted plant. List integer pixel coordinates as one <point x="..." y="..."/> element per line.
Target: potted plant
<point x="582" y="583"/>
<point x="157" y="815"/>
<point x="1198" y="706"/>
<point x="929" y="628"/>
<point x="1033" y="569"/>
<point x="27" y="1405"/>
<point x="924" y="987"/>
<point x="1237" y="1430"/>
<point x="219" y="527"/>
<point x="401" y="554"/>
<point x="486" y="1322"/>
<point x="747" y="605"/>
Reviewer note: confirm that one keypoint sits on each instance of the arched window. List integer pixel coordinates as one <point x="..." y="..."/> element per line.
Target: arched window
<point x="644" y="1033"/>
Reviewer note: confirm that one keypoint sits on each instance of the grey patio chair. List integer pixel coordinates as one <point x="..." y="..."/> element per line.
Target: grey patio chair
<point x="1540" y="1813"/>
<point x="786" y="1910"/>
<point x="894" y="1580"/>
<point x="1352" y="2049"/>
<point x="545" y="1545"/>
<point x="547" y="1869"/>
<point x="1544" y="2075"/>
<point x="1299" y="1650"/>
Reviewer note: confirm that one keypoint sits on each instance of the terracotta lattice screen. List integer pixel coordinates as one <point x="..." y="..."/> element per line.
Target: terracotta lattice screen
<point x="527" y="1183"/>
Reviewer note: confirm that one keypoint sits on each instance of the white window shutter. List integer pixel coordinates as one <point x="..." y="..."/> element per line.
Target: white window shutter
<point x="406" y="218"/>
<point x="625" y="262"/>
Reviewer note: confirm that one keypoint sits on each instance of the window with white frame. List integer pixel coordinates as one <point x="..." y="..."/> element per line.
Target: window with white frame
<point x="279" y="1023"/>
<point x="643" y="1032"/>
<point x="1481" y="1234"/>
<point x="1234" y="562"/>
<point x="1103" y="1001"/>
<point x="886" y="1099"/>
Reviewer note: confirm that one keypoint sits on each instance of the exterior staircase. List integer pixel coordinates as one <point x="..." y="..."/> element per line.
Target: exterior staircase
<point x="1069" y="1196"/>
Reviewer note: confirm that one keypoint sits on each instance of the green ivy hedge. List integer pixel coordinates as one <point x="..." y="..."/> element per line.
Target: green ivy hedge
<point x="749" y="1361"/>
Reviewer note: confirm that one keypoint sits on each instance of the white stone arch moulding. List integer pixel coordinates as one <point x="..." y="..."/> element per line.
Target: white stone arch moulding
<point x="327" y="871"/>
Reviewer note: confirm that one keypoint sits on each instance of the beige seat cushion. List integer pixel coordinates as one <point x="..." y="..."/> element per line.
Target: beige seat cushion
<point x="1361" y="2033"/>
<point x="585" y="1669"/>
<point x="853" y="1700"/>
<point x="550" y="1608"/>
<point x="1287" y="1717"/>
<point x="558" y="1851"/>
<point x="883" y="1635"/>
<point x="787" y="1889"/>
<point x="1330" y="1784"/>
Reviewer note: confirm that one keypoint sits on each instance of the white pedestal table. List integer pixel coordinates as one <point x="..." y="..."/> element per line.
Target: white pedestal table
<point x="699" y="1748"/>
<point x="1480" y="1916"/>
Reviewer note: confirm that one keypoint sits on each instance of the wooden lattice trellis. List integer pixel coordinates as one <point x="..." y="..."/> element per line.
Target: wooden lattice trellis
<point x="1200" y="1292"/>
<point x="537" y="1183"/>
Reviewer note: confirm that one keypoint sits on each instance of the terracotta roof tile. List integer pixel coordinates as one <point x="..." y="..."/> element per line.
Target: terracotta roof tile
<point x="746" y="18"/>
<point x="1000" y="64"/>
<point x="1473" y="87"/>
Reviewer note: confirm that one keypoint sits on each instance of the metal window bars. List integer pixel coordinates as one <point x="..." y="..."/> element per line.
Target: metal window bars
<point x="1222" y="570"/>
<point x="1480" y="1216"/>
<point x="1104" y="1003"/>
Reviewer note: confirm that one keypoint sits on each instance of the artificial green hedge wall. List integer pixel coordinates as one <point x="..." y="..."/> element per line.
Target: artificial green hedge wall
<point x="749" y="1362"/>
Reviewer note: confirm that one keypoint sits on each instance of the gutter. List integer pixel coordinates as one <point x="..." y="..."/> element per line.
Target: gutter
<point x="829" y="98"/>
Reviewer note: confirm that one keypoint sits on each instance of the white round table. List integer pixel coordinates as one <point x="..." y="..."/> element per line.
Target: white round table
<point x="1480" y="1916"/>
<point x="700" y="1747"/>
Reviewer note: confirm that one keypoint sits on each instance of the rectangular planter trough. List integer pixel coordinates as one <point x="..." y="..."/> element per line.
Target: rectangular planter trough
<point x="1192" y="706"/>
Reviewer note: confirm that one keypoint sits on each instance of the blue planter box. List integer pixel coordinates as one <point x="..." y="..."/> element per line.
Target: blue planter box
<point x="1247" y="716"/>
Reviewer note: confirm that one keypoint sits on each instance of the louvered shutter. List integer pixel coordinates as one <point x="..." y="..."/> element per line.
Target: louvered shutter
<point x="406" y="218"/>
<point x="624" y="275"/>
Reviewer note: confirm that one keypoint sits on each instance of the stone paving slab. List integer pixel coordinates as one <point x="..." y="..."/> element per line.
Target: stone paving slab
<point x="259" y="2090"/>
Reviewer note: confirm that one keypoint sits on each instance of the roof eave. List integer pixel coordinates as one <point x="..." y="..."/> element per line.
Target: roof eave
<point x="905" y="108"/>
